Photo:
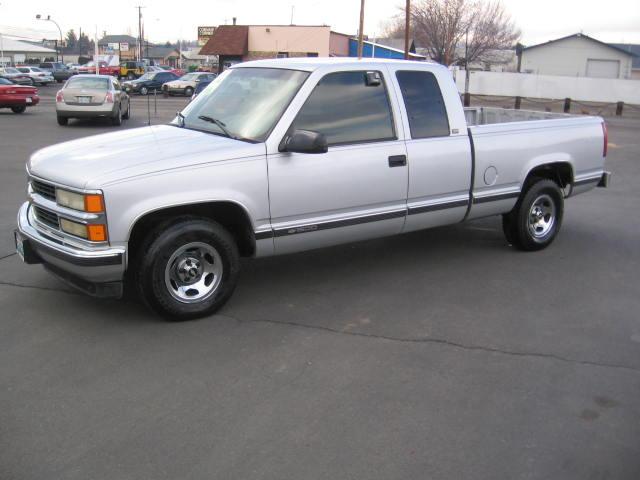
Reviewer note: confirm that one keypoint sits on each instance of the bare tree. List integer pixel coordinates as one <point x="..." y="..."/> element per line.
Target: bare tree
<point x="459" y="31"/>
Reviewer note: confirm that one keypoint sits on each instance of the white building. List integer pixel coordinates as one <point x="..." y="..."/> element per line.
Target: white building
<point x="577" y="55"/>
<point x="14" y="52"/>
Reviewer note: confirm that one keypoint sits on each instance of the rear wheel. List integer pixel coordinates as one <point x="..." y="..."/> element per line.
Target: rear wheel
<point x="536" y="219"/>
<point x="19" y="109"/>
<point x="126" y="115"/>
<point x="144" y="91"/>
<point x="117" y="119"/>
<point x="187" y="268"/>
<point x="62" y="121"/>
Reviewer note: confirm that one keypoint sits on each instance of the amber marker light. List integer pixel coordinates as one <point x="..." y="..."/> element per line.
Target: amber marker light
<point x="93" y="203"/>
<point x="97" y="233"/>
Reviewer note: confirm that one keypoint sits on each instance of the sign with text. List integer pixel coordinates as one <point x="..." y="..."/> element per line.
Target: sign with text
<point x="204" y="34"/>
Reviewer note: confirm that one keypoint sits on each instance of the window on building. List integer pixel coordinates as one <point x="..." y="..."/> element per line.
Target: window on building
<point x="282" y="55"/>
<point x="312" y="54"/>
<point x="424" y="104"/>
<point x="347" y="109"/>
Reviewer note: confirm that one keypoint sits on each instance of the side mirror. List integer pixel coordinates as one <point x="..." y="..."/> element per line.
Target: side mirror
<point x="304" y="141"/>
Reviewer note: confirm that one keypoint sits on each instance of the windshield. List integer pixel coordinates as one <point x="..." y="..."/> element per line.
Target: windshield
<point x="247" y="102"/>
<point x="11" y="70"/>
<point x="36" y="69"/>
<point x="147" y="76"/>
<point x="4" y="81"/>
<point x="189" y="76"/>
<point x="95" y="83"/>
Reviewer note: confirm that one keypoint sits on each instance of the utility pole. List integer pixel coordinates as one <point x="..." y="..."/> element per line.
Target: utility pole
<point x="139" y="7"/>
<point x="360" y="29"/>
<point x="407" y="16"/>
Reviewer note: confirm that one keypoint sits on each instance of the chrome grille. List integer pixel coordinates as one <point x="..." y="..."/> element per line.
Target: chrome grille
<point x="44" y="189"/>
<point x="47" y="217"/>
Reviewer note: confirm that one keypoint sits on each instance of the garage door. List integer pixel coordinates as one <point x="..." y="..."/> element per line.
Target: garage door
<point x="603" y="68"/>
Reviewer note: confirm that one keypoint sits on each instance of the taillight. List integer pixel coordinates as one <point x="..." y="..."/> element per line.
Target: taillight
<point x="59" y="97"/>
<point x="109" y="97"/>
<point x="605" y="135"/>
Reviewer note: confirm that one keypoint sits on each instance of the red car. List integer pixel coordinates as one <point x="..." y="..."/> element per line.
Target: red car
<point x="17" y="97"/>
<point x="103" y="69"/>
<point x="168" y="68"/>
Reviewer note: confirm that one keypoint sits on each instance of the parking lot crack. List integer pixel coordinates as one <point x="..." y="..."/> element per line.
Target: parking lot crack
<point x="453" y="344"/>
<point x="7" y="256"/>
<point x="21" y="285"/>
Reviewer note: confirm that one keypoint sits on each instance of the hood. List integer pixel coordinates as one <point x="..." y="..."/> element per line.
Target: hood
<point x="93" y="162"/>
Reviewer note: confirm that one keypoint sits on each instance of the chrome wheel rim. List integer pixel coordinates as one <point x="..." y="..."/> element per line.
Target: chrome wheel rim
<point x="193" y="272"/>
<point x="542" y="216"/>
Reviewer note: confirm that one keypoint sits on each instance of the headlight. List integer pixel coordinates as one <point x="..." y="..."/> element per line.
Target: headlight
<point x="95" y="233"/>
<point x="92" y="203"/>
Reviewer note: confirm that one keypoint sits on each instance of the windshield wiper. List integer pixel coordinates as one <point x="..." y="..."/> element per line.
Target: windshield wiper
<point x="220" y="125"/>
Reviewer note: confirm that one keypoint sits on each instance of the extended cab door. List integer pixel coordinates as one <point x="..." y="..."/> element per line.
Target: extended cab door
<point x="438" y="147"/>
<point x="357" y="189"/>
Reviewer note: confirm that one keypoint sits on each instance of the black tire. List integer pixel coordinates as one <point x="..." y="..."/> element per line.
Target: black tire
<point x="127" y="115"/>
<point x="62" y="121"/>
<point x="536" y="218"/>
<point x="144" y="90"/>
<point x="156" y="253"/>
<point x="117" y="119"/>
<point x="20" y="109"/>
<point x="188" y="91"/>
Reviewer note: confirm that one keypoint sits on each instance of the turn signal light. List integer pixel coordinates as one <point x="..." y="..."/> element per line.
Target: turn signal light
<point x="97" y="233"/>
<point x="93" y="203"/>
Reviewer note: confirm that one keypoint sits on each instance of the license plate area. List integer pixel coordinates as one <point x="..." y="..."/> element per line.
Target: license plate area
<point x="24" y="250"/>
<point x="83" y="99"/>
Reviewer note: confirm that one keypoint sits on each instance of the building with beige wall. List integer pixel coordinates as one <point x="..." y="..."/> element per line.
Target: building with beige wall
<point x="577" y="56"/>
<point x="240" y="43"/>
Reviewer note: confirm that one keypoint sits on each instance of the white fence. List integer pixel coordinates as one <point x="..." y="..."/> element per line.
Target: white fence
<point x="548" y="86"/>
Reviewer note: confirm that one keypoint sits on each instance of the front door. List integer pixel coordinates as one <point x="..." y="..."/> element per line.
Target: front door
<point x="358" y="189"/>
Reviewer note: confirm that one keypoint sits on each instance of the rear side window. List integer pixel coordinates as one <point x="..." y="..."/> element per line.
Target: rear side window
<point x="348" y="110"/>
<point x="425" y="106"/>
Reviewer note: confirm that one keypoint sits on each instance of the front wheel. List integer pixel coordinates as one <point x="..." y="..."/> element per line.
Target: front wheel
<point x="144" y="91"/>
<point x="20" y="109"/>
<point x="187" y="268"/>
<point x="535" y="220"/>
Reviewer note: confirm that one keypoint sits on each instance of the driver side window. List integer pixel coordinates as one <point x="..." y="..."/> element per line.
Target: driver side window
<point x="348" y="109"/>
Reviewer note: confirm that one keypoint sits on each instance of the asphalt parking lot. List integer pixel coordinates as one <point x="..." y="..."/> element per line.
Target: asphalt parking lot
<point x="441" y="354"/>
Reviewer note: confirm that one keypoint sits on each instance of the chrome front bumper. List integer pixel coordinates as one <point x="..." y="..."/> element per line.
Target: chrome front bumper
<point x="98" y="272"/>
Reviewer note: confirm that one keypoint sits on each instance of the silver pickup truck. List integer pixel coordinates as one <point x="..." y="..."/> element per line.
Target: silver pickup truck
<point x="279" y="156"/>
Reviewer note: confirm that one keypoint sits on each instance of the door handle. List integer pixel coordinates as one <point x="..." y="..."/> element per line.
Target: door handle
<point x="397" y="160"/>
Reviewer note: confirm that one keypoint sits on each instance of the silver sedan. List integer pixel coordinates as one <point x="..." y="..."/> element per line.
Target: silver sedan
<point x="92" y="96"/>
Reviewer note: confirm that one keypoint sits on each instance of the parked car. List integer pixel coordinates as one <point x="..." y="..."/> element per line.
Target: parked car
<point x="16" y="76"/>
<point x="17" y="97"/>
<point x="186" y="84"/>
<point x="132" y="70"/>
<point x="39" y="77"/>
<point x="103" y="69"/>
<point x="92" y="96"/>
<point x="73" y="67"/>
<point x="199" y="88"/>
<point x="285" y="155"/>
<point x="58" y="71"/>
<point x="168" y="68"/>
<point x="149" y="82"/>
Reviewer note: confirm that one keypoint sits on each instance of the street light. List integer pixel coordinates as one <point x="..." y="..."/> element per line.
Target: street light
<point x="49" y="19"/>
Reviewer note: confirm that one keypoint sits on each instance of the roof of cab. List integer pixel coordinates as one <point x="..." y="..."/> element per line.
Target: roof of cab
<point x="312" y="63"/>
